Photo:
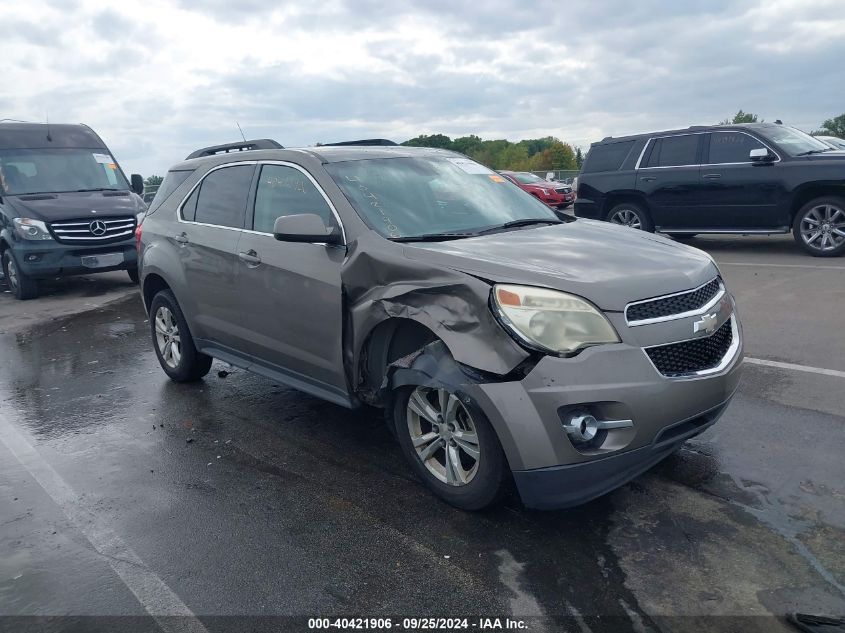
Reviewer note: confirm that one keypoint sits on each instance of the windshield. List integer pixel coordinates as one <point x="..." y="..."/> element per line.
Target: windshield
<point x="793" y="141"/>
<point x="25" y="171"/>
<point x="407" y="197"/>
<point x="527" y="179"/>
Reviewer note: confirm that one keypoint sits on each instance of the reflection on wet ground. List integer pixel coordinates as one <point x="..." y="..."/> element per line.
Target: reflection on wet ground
<point x="247" y="497"/>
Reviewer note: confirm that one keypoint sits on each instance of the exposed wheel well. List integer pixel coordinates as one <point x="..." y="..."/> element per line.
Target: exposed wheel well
<point x="803" y="196"/>
<point x="153" y="284"/>
<point x="389" y="341"/>
<point x="617" y="198"/>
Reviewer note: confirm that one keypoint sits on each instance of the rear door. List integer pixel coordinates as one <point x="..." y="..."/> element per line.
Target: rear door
<point x="739" y="194"/>
<point x="290" y="293"/>
<point x="210" y="224"/>
<point x="668" y="175"/>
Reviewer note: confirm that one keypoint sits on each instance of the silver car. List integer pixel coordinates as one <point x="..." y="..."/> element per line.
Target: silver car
<point x="505" y="344"/>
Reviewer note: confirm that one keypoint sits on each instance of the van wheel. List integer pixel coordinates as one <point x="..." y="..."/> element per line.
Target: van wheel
<point x="682" y="237"/>
<point x="632" y="215"/>
<point x="22" y="286"/>
<point x="451" y="446"/>
<point x="173" y="343"/>
<point x="133" y="275"/>
<point x="819" y="227"/>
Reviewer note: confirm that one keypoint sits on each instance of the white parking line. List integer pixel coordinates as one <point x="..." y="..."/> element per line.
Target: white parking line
<point x="150" y="590"/>
<point x="821" y="266"/>
<point x="794" y="367"/>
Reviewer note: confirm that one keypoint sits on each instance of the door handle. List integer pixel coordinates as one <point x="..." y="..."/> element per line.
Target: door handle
<point x="648" y="178"/>
<point x="711" y="176"/>
<point x="182" y="238"/>
<point x="250" y="258"/>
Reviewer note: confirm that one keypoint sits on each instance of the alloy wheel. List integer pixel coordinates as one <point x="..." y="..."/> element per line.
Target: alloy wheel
<point x="444" y="435"/>
<point x="167" y="337"/>
<point x="823" y="227"/>
<point x="12" y="273"/>
<point x="627" y="217"/>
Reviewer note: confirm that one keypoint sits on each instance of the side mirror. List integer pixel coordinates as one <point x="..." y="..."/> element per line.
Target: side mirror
<point x="305" y="227"/>
<point x="137" y="184"/>
<point x="761" y="156"/>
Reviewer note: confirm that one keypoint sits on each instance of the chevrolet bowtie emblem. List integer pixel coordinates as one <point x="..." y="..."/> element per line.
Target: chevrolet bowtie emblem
<point x="707" y="323"/>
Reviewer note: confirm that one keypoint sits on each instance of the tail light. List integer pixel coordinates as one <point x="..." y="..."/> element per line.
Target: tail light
<point x="138" y="231"/>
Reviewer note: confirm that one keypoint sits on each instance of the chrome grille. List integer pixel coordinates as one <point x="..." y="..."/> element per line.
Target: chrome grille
<point x="92" y="230"/>
<point x="674" y="305"/>
<point x="691" y="357"/>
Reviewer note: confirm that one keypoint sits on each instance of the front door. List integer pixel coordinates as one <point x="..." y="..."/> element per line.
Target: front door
<point x="290" y="293"/>
<point x="738" y="193"/>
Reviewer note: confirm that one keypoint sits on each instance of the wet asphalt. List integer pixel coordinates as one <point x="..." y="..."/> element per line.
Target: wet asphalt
<point x="243" y="497"/>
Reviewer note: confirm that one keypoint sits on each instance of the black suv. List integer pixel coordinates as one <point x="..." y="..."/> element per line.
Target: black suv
<point x="753" y="178"/>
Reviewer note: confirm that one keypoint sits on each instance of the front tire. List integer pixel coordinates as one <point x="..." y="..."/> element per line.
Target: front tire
<point x="819" y="227"/>
<point x="632" y="215"/>
<point x="451" y="446"/>
<point x="173" y="343"/>
<point x="22" y="286"/>
<point x="133" y="275"/>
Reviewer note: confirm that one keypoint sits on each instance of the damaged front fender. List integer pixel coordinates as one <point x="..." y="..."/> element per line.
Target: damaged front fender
<point x="381" y="283"/>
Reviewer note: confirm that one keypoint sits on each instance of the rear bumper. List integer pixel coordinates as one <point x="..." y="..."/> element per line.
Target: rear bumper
<point x="43" y="259"/>
<point x="585" y="208"/>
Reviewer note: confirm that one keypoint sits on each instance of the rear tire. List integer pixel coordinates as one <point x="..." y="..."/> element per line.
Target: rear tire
<point x="819" y="227"/>
<point x="467" y="483"/>
<point x="682" y="237"/>
<point x="23" y="287"/>
<point x="631" y="214"/>
<point x="173" y="343"/>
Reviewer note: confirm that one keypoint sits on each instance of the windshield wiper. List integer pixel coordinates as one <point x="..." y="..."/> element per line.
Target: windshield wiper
<point x="523" y="222"/>
<point x="815" y="151"/>
<point x="97" y="189"/>
<point x="432" y="237"/>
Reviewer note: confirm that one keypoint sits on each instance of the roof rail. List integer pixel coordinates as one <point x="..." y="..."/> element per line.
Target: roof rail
<point x="240" y="146"/>
<point x="365" y="141"/>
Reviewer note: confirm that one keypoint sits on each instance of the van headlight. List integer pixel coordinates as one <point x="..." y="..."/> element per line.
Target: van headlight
<point x="30" y="229"/>
<point x="550" y="320"/>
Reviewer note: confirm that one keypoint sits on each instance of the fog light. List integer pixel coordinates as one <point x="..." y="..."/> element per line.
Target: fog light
<point x="33" y="257"/>
<point x="583" y="427"/>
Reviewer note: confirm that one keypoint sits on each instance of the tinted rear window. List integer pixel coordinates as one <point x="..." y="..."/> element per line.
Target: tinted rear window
<point x="223" y="194"/>
<point x="608" y="157"/>
<point x="674" y="151"/>
<point x="171" y="183"/>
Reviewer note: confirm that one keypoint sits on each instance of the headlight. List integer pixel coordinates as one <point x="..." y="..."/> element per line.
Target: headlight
<point x="550" y="320"/>
<point x="545" y="192"/>
<point x="29" y="229"/>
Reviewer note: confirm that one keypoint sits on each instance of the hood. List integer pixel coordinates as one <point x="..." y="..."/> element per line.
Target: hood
<point x="67" y="206"/>
<point x="604" y="263"/>
<point x="545" y="185"/>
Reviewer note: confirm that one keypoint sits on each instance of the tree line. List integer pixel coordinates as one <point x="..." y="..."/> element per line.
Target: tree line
<point x="831" y="127"/>
<point x="537" y="154"/>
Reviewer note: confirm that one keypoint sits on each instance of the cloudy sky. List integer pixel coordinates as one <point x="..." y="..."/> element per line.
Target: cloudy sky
<point x="158" y="79"/>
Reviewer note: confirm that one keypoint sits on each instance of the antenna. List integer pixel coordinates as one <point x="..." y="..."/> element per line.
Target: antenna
<point x="241" y="131"/>
<point x="47" y="116"/>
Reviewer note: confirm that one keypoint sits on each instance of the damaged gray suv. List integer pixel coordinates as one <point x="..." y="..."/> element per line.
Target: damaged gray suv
<point x="505" y="344"/>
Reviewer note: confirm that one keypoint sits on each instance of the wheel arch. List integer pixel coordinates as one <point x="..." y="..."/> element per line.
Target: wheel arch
<point x="618" y="197"/>
<point x="811" y="190"/>
<point x="153" y="284"/>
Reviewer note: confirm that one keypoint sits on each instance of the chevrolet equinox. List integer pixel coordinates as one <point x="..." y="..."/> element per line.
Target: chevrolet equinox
<point x="504" y="343"/>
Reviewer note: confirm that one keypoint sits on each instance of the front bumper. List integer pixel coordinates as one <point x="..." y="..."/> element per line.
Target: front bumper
<point x="617" y="382"/>
<point x="43" y="259"/>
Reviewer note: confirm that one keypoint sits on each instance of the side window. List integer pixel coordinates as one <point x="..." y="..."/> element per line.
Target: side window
<point x="674" y="151"/>
<point x="222" y="196"/>
<point x="732" y="147"/>
<point x="607" y="157"/>
<point x="171" y="182"/>
<point x="285" y="190"/>
<point x="189" y="209"/>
